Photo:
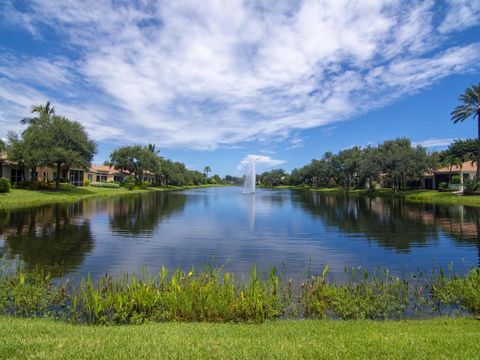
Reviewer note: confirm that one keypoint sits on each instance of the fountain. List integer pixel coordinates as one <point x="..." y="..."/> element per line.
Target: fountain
<point x="250" y="180"/>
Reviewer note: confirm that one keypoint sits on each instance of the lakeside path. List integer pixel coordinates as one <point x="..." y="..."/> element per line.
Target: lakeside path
<point x="441" y="338"/>
<point x="18" y="198"/>
<point x="418" y="196"/>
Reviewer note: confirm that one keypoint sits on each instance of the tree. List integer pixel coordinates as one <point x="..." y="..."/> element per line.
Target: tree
<point x="466" y="150"/>
<point x="370" y="166"/>
<point x="470" y="107"/>
<point x="136" y="160"/>
<point x="58" y="142"/>
<point x="3" y="146"/>
<point x="43" y="112"/>
<point x="450" y="161"/>
<point x="206" y="170"/>
<point x="401" y="162"/>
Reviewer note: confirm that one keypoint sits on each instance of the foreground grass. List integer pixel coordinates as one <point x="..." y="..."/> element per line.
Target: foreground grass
<point x="442" y="338"/>
<point x="18" y="198"/>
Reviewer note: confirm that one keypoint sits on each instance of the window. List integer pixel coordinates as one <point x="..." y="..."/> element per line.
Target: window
<point x="101" y="177"/>
<point x="118" y="178"/>
<point x="15" y="175"/>
<point x="33" y="175"/>
<point x="45" y="175"/>
<point x="90" y="177"/>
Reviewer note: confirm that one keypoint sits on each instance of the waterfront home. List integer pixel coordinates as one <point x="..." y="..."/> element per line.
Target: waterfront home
<point x="76" y="176"/>
<point x="434" y="179"/>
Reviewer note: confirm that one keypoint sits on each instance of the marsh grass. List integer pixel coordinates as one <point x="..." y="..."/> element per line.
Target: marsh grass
<point x="214" y="295"/>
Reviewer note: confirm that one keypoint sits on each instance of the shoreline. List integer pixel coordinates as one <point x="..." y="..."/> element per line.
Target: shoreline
<point x="414" y="196"/>
<point x="21" y="198"/>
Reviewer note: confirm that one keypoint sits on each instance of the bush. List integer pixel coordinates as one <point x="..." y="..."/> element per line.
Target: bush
<point x="101" y="184"/>
<point x="4" y="185"/>
<point x="144" y="185"/>
<point x="456" y="179"/>
<point x="87" y="183"/>
<point x="66" y="186"/>
<point x="42" y="185"/>
<point x="471" y="186"/>
<point x="443" y="186"/>
<point x="129" y="182"/>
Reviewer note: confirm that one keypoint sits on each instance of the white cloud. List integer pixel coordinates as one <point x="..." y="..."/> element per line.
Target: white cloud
<point x="461" y="14"/>
<point x="261" y="161"/>
<point x="434" y="142"/>
<point x="212" y="73"/>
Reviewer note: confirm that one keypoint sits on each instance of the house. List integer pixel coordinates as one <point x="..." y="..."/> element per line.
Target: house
<point x="76" y="176"/>
<point x="465" y="171"/>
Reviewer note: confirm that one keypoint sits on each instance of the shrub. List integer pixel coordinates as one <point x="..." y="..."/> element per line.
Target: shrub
<point x="129" y="182"/>
<point x="4" y="185"/>
<point x="87" y="183"/>
<point x="456" y="179"/>
<point x="144" y="185"/>
<point x="42" y="185"/>
<point x="65" y="186"/>
<point x="471" y="186"/>
<point x="443" y="186"/>
<point x="101" y="184"/>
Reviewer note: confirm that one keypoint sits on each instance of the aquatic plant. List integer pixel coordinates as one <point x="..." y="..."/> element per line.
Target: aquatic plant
<point x="214" y="295"/>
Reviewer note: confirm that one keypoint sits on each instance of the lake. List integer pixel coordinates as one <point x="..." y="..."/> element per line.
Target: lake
<point x="296" y="231"/>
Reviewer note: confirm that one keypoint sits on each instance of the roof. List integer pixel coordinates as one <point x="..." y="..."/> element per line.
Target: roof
<point x="467" y="166"/>
<point x="105" y="169"/>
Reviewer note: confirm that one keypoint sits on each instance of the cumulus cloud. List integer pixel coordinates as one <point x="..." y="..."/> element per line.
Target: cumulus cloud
<point x="261" y="161"/>
<point x="212" y="73"/>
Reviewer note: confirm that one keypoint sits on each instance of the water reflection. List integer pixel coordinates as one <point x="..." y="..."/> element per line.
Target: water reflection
<point x="392" y="222"/>
<point x="291" y="229"/>
<point x="55" y="238"/>
<point x="141" y="215"/>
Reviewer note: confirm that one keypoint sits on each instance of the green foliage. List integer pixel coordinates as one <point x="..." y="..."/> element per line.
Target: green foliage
<point x="217" y="296"/>
<point x="456" y="179"/>
<point x="471" y="186"/>
<point x="65" y="186"/>
<point x="274" y="177"/>
<point x="51" y="140"/>
<point x="86" y="183"/>
<point x="443" y="186"/>
<point x="5" y="185"/>
<point x="136" y="160"/>
<point x="103" y="184"/>
<point x="144" y="185"/>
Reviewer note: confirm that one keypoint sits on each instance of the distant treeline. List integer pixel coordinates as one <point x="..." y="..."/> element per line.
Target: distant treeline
<point x="393" y="163"/>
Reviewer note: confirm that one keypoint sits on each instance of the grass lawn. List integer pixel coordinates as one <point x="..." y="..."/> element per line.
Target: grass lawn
<point x="18" y="198"/>
<point x="421" y="196"/>
<point x="440" y="338"/>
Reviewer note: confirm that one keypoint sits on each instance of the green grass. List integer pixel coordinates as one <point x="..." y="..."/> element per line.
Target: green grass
<point x="441" y="338"/>
<point x="419" y="196"/>
<point x="18" y="198"/>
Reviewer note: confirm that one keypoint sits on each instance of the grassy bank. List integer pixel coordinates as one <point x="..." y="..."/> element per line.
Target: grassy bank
<point x="441" y="338"/>
<point x="419" y="196"/>
<point x="18" y="198"/>
<point x="213" y="295"/>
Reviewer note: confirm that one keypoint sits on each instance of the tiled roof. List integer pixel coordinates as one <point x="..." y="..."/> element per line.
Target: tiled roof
<point x="466" y="167"/>
<point x="104" y="169"/>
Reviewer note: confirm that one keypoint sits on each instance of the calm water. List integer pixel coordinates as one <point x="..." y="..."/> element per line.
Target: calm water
<point x="297" y="231"/>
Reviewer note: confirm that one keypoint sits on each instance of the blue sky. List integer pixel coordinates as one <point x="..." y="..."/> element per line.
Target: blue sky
<point x="212" y="82"/>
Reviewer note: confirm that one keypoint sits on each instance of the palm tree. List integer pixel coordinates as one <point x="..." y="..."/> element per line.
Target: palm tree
<point x="470" y="107"/>
<point x="450" y="161"/>
<point x="206" y="170"/>
<point x="43" y="111"/>
<point x="153" y="148"/>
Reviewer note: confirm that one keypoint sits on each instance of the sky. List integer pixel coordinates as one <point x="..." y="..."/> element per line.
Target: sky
<point x="214" y="82"/>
